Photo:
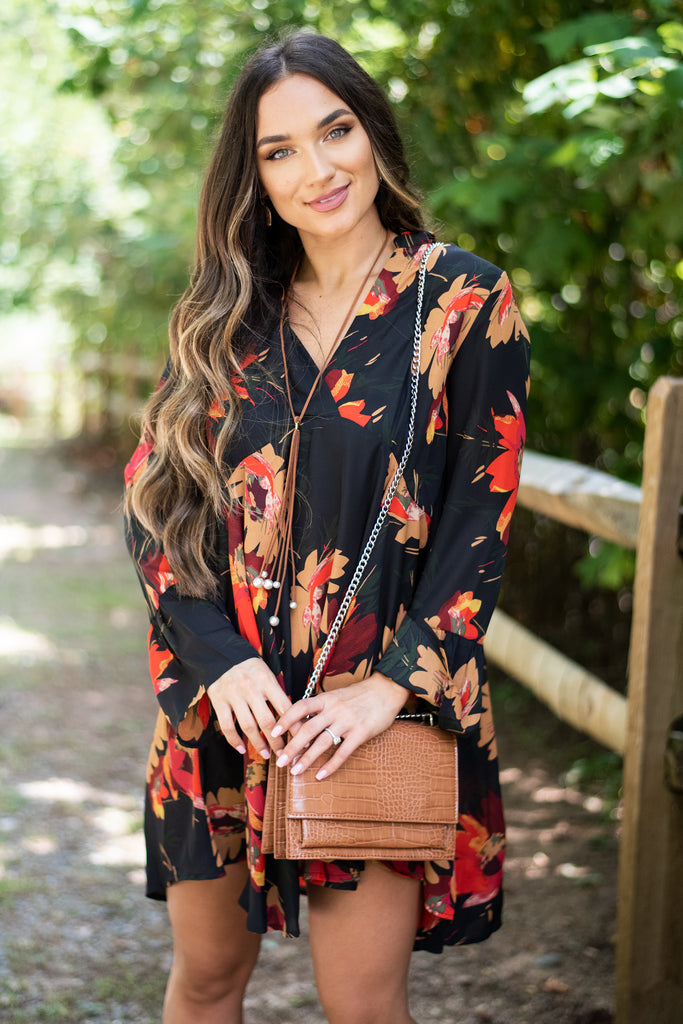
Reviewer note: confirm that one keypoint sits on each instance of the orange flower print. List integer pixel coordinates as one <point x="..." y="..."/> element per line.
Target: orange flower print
<point x="464" y="692"/>
<point x="505" y="322"/>
<point x="504" y="470"/>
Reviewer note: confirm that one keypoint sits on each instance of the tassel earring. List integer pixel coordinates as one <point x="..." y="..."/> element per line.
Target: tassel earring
<point x="266" y="211"/>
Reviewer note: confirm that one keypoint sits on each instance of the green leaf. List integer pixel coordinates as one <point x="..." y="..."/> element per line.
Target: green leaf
<point x="672" y="34"/>
<point x="673" y="82"/>
<point x="635" y="47"/>
<point x="617" y="86"/>
<point x="595" y="27"/>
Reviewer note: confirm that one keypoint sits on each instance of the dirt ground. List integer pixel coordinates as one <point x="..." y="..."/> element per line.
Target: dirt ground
<point x="79" y="943"/>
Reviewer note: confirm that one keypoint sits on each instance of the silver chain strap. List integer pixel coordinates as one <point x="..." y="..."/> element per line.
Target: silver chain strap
<point x="324" y="655"/>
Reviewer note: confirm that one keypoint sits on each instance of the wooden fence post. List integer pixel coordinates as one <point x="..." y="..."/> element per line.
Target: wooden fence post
<point x="650" y="913"/>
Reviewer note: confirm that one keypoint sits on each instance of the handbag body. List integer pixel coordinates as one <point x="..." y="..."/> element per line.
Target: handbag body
<point x="395" y="798"/>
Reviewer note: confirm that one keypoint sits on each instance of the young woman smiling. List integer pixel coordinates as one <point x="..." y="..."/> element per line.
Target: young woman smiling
<point x="265" y="454"/>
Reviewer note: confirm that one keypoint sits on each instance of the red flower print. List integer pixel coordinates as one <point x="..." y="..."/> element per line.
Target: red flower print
<point x="438" y="416"/>
<point x="479" y="860"/>
<point x="158" y="573"/>
<point x="504" y="470"/>
<point x="354" y="411"/>
<point x="138" y="462"/>
<point x="468" y="298"/>
<point x="321" y="575"/>
<point x="457" y="614"/>
<point x="505" y="304"/>
<point x="339" y="382"/>
<point x="259" y="481"/>
<point x="376" y="301"/>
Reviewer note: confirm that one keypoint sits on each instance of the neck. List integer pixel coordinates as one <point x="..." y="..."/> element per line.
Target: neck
<point x="330" y="266"/>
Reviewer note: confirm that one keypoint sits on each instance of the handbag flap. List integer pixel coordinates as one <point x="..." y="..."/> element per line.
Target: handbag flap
<point x="385" y="780"/>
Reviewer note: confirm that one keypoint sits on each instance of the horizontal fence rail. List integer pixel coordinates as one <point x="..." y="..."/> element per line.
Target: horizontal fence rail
<point x="573" y="693"/>
<point x="581" y="497"/>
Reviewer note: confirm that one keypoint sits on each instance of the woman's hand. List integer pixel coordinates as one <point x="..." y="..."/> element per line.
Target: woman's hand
<point x="247" y="695"/>
<point x="355" y="713"/>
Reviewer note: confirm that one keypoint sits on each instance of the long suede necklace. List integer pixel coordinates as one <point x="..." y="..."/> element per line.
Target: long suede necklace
<point x="283" y="528"/>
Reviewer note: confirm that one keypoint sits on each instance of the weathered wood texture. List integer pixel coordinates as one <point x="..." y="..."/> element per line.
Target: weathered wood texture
<point x="580" y="497"/>
<point x="574" y="694"/>
<point x="650" y="922"/>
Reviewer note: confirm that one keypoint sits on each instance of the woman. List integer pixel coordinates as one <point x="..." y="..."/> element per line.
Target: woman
<point x="298" y="323"/>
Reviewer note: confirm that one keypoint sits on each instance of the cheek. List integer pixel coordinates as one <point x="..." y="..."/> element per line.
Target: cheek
<point x="277" y="184"/>
<point x="365" y="160"/>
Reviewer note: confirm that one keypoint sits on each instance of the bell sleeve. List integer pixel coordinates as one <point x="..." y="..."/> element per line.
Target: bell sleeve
<point x="437" y="651"/>
<point x="191" y="641"/>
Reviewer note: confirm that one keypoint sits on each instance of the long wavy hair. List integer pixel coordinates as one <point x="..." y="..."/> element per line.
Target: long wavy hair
<point x="234" y="298"/>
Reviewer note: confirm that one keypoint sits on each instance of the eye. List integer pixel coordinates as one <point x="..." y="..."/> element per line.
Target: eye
<point x="278" y="154"/>
<point x="339" y="131"/>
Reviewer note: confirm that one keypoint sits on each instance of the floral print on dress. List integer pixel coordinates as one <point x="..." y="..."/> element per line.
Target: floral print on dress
<point x="420" y="613"/>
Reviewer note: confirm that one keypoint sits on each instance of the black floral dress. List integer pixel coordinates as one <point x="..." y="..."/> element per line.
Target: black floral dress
<point x="422" y="608"/>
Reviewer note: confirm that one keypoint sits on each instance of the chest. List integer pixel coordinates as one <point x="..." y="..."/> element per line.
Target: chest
<point x="320" y="322"/>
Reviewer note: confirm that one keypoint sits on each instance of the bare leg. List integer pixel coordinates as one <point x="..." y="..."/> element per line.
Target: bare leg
<point x="213" y="953"/>
<point x="361" y="944"/>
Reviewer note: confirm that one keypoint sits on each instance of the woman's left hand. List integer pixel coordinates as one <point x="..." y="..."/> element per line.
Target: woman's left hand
<point x="355" y="713"/>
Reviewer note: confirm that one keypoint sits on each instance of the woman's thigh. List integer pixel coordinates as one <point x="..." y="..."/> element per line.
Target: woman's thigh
<point x="361" y="944"/>
<point x="211" y="944"/>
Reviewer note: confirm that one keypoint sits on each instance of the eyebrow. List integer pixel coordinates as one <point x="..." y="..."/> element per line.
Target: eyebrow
<point x="328" y="119"/>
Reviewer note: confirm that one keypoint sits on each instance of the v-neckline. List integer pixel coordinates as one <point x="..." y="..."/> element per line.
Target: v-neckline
<point x="361" y="302"/>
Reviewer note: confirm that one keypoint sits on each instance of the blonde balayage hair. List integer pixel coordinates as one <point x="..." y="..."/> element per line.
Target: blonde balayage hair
<point x="242" y="269"/>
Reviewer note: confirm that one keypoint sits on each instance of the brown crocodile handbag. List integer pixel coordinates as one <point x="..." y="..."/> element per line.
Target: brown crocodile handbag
<point x="396" y="796"/>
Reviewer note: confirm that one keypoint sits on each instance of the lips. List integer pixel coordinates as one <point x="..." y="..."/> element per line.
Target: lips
<point x="330" y="200"/>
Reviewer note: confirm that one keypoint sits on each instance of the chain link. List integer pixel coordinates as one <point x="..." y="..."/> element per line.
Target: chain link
<point x="326" y="650"/>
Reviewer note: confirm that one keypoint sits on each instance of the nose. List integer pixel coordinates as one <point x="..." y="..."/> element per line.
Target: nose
<point x="319" y="167"/>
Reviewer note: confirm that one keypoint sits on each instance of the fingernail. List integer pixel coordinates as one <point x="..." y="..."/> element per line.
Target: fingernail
<point x="240" y="749"/>
<point x="321" y="774"/>
<point x="265" y="753"/>
<point x="282" y="761"/>
<point x="297" y="768"/>
<point x="277" y="731"/>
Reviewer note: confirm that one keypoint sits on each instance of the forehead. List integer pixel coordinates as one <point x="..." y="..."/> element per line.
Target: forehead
<point x="294" y="103"/>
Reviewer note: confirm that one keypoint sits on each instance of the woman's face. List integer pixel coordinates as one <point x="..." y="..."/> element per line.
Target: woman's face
<point x="315" y="160"/>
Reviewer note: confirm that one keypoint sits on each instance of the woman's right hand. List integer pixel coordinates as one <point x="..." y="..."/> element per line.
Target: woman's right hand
<point x="249" y="696"/>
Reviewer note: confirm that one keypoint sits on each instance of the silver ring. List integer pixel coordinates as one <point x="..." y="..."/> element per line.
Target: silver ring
<point x="335" y="739"/>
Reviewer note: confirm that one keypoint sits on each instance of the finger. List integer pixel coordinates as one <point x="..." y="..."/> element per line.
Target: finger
<point x="306" y="734"/>
<point x="265" y="718"/>
<point x="250" y="729"/>
<point x="322" y="744"/>
<point x="296" y="713"/>
<point x="341" y="754"/>
<point x="227" y="724"/>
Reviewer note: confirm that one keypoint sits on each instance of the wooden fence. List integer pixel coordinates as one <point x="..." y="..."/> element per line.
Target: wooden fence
<point x="646" y="728"/>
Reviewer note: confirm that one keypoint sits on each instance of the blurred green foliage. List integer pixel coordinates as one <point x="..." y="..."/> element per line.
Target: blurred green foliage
<point x="546" y="134"/>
